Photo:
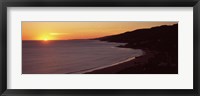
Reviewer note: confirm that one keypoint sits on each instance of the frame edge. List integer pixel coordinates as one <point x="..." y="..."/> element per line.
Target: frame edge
<point x="3" y="49"/>
<point x="196" y="67"/>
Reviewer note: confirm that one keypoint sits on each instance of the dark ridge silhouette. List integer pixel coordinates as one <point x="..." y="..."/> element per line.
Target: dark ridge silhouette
<point x="160" y="45"/>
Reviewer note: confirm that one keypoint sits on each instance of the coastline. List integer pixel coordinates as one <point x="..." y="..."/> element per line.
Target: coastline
<point x="112" y="69"/>
<point x="139" y="65"/>
<point x="108" y="66"/>
<point x="160" y="45"/>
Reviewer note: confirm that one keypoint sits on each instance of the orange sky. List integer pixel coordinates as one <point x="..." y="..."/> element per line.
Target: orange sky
<point x="80" y="30"/>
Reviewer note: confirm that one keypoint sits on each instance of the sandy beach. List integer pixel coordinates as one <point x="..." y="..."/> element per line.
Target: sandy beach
<point x="123" y="66"/>
<point x="139" y="65"/>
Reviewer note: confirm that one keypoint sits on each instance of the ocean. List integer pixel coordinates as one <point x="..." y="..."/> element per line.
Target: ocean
<point x="72" y="56"/>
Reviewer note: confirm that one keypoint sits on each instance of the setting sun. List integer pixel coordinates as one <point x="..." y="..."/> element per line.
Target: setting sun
<point x="45" y="39"/>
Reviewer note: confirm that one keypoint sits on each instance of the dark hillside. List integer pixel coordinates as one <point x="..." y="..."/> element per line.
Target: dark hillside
<point x="161" y="38"/>
<point x="161" y="41"/>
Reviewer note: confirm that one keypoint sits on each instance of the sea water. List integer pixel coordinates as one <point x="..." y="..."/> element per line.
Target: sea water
<point x="72" y="56"/>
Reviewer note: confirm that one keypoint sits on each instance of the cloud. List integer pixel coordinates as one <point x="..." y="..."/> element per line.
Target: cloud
<point x="58" y="33"/>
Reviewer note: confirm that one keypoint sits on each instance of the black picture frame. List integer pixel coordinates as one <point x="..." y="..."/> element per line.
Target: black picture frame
<point x="97" y="3"/>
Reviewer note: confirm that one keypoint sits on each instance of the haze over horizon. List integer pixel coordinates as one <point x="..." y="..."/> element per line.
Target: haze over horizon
<point x="80" y="30"/>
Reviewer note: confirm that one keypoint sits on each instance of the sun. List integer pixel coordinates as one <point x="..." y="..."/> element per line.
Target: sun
<point x="45" y="39"/>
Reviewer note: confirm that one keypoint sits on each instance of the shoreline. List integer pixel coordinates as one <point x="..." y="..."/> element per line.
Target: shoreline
<point x="112" y="65"/>
<point x="144" y="64"/>
<point x="103" y="67"/>
<point x="123" y="65"/>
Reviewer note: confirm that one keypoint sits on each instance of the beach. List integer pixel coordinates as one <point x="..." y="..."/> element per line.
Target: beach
<point x="139" y="65"/>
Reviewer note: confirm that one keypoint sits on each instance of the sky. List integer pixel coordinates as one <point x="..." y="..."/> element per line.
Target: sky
<point x="80" y="30"/>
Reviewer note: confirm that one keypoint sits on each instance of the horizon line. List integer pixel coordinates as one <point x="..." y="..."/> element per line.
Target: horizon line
<point x="57" y="40"/>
